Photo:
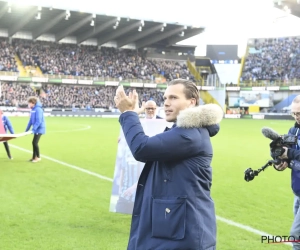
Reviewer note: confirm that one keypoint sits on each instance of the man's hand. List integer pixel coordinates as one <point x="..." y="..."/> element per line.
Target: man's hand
<point x="123" y="102"/>
<point x="282" y="166"/>
<point x="284" y="155"/>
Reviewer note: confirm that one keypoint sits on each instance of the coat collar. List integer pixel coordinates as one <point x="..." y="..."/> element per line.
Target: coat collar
<point x="200" y="116"/>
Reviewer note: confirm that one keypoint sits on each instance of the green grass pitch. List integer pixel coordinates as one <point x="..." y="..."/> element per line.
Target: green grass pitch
<point x="49" y="206"/>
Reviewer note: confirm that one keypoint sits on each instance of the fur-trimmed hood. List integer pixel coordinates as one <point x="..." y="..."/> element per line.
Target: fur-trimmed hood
<point x="208" y="115"/>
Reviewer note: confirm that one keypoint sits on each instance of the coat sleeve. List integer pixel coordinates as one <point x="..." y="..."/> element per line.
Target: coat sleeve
<point x="38" y="119"/>
<point x="175" y="144"/>
<point x="9" y="126"/>
<point x="293" y="154"/>
<point x="29" y="123"/>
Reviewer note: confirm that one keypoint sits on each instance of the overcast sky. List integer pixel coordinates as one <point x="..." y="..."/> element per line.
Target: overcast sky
<point x="225" y="21"/>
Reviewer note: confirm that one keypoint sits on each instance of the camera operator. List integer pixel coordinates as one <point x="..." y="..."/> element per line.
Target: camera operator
<point x="293" y="156"/>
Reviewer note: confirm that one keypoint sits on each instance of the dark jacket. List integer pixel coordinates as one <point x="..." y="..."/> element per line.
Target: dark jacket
<point x="294" y="156"/>
<point x="37" y="120"/>
<point x="173" y="207"/>
<point x="7" y="124"/>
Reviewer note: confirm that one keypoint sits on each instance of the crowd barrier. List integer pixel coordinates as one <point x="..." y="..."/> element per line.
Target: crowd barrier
<point x="114" y="113"/>
<point x="261" y="116"/>
<point x="65" y="114"/>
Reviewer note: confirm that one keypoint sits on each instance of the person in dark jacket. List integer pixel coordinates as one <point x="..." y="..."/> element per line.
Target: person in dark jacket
<point x="37" y="122"/>
<point x="173" y="207"/>
<point x="150" y="110"/>
<point x="293" y="156"/>
<point x="7" y="126"/>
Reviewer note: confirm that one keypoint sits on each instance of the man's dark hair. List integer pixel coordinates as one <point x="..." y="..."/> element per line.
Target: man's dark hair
<point x="190" y="89"/>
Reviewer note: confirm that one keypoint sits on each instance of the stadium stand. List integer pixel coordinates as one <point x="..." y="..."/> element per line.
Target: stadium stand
<point x="69" y="63"/>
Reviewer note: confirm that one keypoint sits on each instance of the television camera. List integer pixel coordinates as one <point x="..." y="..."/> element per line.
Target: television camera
<point x="276" y="146"/>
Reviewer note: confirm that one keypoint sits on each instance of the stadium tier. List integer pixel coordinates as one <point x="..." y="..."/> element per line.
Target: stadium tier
<point x="68" y="59"/>
<point x="45" y="59"/>
<point x="272" y="61"/>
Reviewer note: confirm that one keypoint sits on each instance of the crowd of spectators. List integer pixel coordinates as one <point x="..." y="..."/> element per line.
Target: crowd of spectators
<point x="82" y="60"/>
<point x="15" y="95"/>
<point x="269" y="59"/>
<point x="70" y="96"/>
<point x="273" y="60"/>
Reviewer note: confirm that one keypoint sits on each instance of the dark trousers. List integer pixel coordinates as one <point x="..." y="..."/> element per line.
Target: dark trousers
<point x="35" y="146"/>
<point x="7" y="149"/>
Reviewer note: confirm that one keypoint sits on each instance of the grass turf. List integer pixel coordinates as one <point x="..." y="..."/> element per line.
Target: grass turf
<point x="47" y="205"/>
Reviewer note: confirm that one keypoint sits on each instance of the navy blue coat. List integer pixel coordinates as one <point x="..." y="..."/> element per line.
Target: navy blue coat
<point x="37" y="120"/>
<point x="173" y="207"/>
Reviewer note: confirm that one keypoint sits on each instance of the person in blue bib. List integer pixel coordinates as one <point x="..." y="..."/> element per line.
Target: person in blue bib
<point x="37" y="122"/>
<point x="7" y="127"/>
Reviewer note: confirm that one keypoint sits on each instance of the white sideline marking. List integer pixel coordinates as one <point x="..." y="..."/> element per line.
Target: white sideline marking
<point x="247" y="228"/>
<point x="65" y="164"/>
<point x="226" y="221"/>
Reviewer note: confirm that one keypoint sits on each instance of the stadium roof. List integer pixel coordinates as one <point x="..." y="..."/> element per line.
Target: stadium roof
<point x="289" y="6"/>
<point x="65" y="23"/>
